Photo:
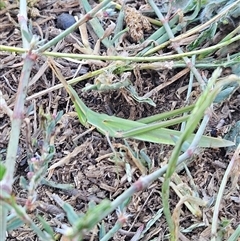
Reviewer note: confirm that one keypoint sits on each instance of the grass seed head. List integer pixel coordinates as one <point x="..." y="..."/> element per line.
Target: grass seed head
<point x="136" y="22"/>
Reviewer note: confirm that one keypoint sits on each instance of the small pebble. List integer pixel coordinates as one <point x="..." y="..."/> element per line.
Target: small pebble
<point x="65" y="20"/>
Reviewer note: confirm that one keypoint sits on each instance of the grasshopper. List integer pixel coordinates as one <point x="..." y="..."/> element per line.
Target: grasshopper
<point x="147" y="129"/>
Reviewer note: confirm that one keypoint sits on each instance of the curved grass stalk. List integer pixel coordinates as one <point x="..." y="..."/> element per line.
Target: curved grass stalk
<point x="123" y="58"/>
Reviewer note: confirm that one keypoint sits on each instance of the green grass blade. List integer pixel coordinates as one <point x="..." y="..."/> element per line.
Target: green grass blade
<point x="166" y="115"/>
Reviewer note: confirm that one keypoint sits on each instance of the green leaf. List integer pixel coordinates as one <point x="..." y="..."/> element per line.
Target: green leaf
<point x="102" y="230"/>
<point x="205" y="35"/>
<point x="2" y="171"/>
<point x="47" y="228"/>
<point x="23" y="183"/>
<point x="125" y="203"/>
<point x="57" y="185"/>
<point x="235" y="235"/>
<point x="2" y="5"/>
<point x="92" y="217"/>
<point x="71" y="214"/>
<point x="184" y="146"/>
<point x="14" y="222"/>
<point x="27" y="36"/>
<point x="58" y="116"/>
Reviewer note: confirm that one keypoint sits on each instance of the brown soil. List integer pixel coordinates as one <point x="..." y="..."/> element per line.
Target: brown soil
<point x="91" y="169"/>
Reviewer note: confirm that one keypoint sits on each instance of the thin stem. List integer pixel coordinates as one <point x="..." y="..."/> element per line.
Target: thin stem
<point x="190" y="85"/>
<point x="154" y="126"/>
<point x="3" y="222"/>
<point x="123" y="58"/>
<point x="22" y="18"/>
<point x="144" y="59"/>
<point x="17" y="116"/>
<point x="175" y="45"/>
<point x="112" y="231"/>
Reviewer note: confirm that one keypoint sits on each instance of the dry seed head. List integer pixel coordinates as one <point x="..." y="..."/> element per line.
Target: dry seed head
<point x="34" y="12"/>
<point x="146" y="23"/>
<point x="122" y="215"/>
<point x="136" y="22"/>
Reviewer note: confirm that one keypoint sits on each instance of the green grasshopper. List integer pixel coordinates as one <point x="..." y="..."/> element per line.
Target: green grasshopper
<point x="142" y="129"/>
